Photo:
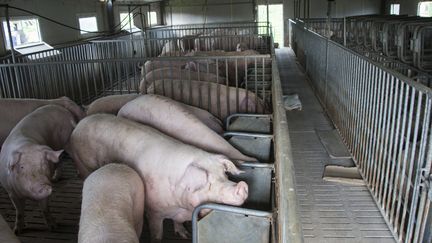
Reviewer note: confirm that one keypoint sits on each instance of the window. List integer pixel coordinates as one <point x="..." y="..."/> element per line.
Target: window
<point x="126" y="22"/>
<point x="276" y="20"/>
<point x="24" y="32"/>
<point x="425" y="9"/>
<point x="152" y="18"/>
<point x="88" y="24"/>
<point x="394" y="9"/>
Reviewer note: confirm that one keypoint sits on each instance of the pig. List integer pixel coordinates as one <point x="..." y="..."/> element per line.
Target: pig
<point x="175" y="73"/>
<point x="206" y="66"/>
<point x="186" y="43"/>
<point x="112" y="208"/>
<point x="241" y="47"/>
<point x="29" y="155"/>
<point x="203" y="43"/>
<point x="199" y="94"/>
<point x="6" y="234"/>
<point x="160" y="112"/>
<point x="206" y="117"/>
<point x="235" y="72"/>
<point x="111" y="104"/>
<point x="13" y="110"/>
<point x="156" y="64"/>
<point x="171" y="49"/>
<point x="177" y="177"/>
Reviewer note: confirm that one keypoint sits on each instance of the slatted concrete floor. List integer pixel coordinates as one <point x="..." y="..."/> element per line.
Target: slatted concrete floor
<point x="65" y="205"/>
<point x="330" y="212"/>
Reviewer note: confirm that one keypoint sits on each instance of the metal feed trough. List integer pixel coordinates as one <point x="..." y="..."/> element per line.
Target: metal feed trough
<point x="270" y="214"/>
<point x="251" y="123"/>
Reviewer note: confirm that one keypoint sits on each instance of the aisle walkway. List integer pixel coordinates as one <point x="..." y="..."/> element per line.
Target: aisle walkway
<point x="330" y="212"/>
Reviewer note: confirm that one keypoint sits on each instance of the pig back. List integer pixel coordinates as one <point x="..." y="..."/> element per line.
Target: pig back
<point x="109" y="104"/>
<point x="220" y="100"/>
<point x="49" y="125"/>
<point x="112" y="206"/>
<point x="14" y="110"/>
<point x="103" y="138"/>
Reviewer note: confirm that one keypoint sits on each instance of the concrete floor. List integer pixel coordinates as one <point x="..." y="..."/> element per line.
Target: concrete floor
<point x="329" y="211"/>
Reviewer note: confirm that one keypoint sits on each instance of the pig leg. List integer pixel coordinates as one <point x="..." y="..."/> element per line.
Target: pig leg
<point x="19" y="204"/>
<point x="58" y="171"/>
<point x="156" y="227"/>
<point x="181" y="230"/>
<point x="182" y="216"/>
<point x="47" y="215"/>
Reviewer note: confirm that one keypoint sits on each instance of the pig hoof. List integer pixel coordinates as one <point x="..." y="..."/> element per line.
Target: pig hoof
<point x="56" y="177"/>
<point x="180" y="230"/>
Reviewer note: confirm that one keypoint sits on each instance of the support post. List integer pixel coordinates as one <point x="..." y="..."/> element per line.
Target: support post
<point x="11" y="45"/>
<point x="344" y="31"/>
<point x="110" y="16"/>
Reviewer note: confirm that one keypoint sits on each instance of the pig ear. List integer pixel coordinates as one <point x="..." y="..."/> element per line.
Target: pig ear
<point x="13" y="163"/>
<point x="53" y="156"/>
<point x="229" y="166"/>
<point x="194" y="178"/>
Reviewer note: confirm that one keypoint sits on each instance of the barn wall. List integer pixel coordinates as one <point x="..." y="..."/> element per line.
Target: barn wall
<point x="64" y="11"/>
<point x="218" y="11"/>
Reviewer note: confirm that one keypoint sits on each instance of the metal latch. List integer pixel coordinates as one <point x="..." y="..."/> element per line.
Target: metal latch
<point x="427" y="182"/>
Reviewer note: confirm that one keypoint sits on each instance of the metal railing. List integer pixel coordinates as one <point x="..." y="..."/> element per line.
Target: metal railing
<point x="397" y="42"/>
<point x="385" y="121"/>
<point x="86" y="80"/>
<point x="392" y="36"/>
<point x="223" y="36"/>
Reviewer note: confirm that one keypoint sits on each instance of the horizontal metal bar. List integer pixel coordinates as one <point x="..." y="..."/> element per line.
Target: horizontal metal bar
<point x="245" y="134"/>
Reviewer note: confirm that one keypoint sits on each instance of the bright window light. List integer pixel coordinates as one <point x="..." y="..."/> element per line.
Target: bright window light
<point x="394" y="9"/>
<point x="425" y="9"/>
<point x="152" y="18"/>
<point x="88" y="24"/>
<point x="126" y="21"/>
<point x="24" y="32"/>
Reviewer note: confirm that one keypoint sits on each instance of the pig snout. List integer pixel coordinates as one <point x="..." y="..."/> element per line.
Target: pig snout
<point x="41" y="190"/>
<point x="237" y="194"/>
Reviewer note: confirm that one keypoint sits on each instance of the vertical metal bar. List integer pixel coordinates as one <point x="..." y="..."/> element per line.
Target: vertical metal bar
<point x="344" y="32"/>
<point x="403" y="158"/>
<point x="389" y="155"/>
<point x="411" y="163"/>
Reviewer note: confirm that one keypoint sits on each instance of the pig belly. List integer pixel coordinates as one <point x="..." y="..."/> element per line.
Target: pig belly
<point x="207" y="118"/>
<point x="112" y="208"/>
